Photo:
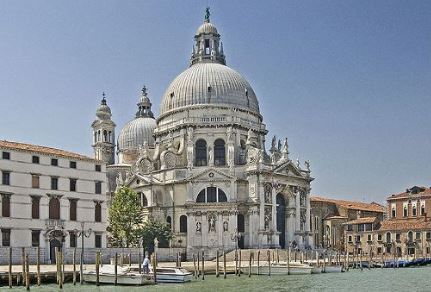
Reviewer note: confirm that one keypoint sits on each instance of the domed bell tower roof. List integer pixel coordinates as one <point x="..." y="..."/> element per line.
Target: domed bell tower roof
<point x="103" y="112"/>
<point x="207" y="48"/>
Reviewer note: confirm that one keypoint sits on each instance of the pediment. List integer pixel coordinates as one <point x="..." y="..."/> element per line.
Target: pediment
<point x="288" y="168"/>
<point x="140" y="179"/>
<point x="211" y="174"/>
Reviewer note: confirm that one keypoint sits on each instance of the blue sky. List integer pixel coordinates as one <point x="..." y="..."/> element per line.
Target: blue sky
<point x="348" y="82"/>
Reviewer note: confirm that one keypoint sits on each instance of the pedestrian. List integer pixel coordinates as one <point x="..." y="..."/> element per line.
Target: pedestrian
<point x="146" y="265"/>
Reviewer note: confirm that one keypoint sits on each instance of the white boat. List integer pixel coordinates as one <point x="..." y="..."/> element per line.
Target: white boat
<point x="171" y="275"/>
<point x="316" y="270"/>
<point x="125" y="276"/>
<point x="333" y="269"/>
<point x="296" y="268"/>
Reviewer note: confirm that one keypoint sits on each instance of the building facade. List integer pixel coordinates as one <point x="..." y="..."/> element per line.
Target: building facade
<point x="329" y="217"/>
<point x="405" y="232"/>
<point x="202" y="167"/>
<point x="46" y="194"/>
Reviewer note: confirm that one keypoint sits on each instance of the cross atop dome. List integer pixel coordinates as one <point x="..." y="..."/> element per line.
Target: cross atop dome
<point x="207" y="48"/>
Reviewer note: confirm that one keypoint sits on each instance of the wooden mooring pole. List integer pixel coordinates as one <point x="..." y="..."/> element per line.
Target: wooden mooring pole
<point x="224" y="264"/>
<point x="217" y="264"/>
<point x="199" y="268"/>
<point x="23" y="265"/>
<point x="27" y="273"/>
<point x="258" y="261"/>
<point x="98" y="268"/>
<point x="203" y="266"/>
<point x="195" y="271"/>
<point x="38" y="266"/>
<point x="74" y="267"/>
<point x="116" y="269"/>
<point x="10" y="268"/>
<point x="240" y="260"/>
<point x="249" y="265"/>
<point x="268" y="253"/>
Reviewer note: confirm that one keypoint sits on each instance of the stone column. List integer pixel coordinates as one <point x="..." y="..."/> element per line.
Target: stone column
<point x="275" y="237"/>
<point x="298" y="211"/>
<point x="307" y="223"/>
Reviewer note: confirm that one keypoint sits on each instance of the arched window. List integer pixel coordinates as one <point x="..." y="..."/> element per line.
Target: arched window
<point x="388" y="237"/>
<point x="410" y="236"/>
<point x="54" y="208"/>
<point x="201" y="153"/>
<point x="219" y="153"/>
<point x="221" y="196"/>
<point x="105" y="136"/>
<point x="98" y="212"/>
<point x="169" y="221"/>
<point x="98" y="136"/>
<point x="211" y="195"/>
<point x="110" y="136"/>
<point x="95" y="137"/>
<point x="183" y="223"/>
<point x="201" y="197"/>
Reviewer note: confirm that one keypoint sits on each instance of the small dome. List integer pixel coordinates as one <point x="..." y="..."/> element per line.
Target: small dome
<point x="135" y="133"/>
<point x="206" y="28"/>
<point x="103" y="112"/>
<point x="209" y="83"/>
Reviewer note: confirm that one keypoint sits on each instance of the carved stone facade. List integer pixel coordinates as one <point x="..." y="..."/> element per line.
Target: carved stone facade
<point x="208" y="163"/>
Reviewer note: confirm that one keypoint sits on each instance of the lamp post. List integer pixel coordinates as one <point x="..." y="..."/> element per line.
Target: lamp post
<point x="82" y="233"/>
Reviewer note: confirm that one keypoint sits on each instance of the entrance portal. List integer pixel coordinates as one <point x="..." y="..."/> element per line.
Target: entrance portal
<point x="53" y="243"/>
<point x="281" y="221"/>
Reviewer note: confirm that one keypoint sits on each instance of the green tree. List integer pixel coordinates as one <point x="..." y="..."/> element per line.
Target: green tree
<point x="155" y="229"/>
<point x="125" y="218"/>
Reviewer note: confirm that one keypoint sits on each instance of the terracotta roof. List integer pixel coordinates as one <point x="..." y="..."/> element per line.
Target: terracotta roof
<point x="362" y="220"/>
<point x="43" y="150"/>
<point x="407" y="194"/>
<point x="405" y="225"/>
<point x="372" y="207"/>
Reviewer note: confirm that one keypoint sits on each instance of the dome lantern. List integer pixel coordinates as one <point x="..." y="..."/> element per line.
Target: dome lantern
<point x="207" y="46"/>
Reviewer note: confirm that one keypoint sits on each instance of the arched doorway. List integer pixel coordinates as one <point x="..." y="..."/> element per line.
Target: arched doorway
<point x="240" y="225"/>
<point x="53" y="243"/>
<point x="281" y="221"/>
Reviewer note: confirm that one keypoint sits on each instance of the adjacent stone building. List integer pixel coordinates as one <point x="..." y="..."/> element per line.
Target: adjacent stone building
<point x="46" y="194"/>
<point x="328" y="218"/>
<point x="406" y="231"/>
<point x="202" y="166"/>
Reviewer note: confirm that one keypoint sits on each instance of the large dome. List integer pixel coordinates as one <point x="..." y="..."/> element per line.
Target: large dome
<point x="135" y="133"/>
<point x="209" y="83"/>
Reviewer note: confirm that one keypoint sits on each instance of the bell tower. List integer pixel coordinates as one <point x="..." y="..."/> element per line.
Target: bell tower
<point x="104" y="134"/>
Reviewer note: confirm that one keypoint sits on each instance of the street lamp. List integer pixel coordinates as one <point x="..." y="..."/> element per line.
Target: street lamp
<point x="82" y="233"/>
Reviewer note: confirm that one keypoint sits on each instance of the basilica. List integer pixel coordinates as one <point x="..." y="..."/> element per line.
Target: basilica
<point x="201" y="165"/>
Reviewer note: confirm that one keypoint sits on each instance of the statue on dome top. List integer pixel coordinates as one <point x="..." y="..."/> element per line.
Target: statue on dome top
<point x="207" y="14"/>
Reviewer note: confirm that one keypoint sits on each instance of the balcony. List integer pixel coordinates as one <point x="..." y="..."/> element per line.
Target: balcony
<point x="54" y="223"/>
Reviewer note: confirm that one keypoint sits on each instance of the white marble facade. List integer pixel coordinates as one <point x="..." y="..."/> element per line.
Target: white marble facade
<point x="203" y="166"/>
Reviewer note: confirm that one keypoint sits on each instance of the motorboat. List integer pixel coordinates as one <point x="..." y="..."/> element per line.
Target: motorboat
<point x="316" y="270"/>
<point x="125" y="276"/>
<point x="296" y="268"/>
<point x="171" y="275"/>
<point x="333" y="269"/>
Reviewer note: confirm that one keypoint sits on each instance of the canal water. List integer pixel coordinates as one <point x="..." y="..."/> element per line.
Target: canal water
<point x="407" y="279"/>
